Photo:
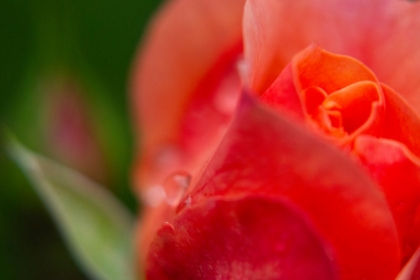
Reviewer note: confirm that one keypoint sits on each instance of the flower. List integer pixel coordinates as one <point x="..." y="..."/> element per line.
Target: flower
<point x="318" y="178"/>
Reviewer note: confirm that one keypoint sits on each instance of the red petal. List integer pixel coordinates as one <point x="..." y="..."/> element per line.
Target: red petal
<point x="397" y="171"/>
<point x="383" y="34"/>
<point x="185" y="41"/>
<point x="283" y="95"/>
<point x="401" y="122"/>
<point x="411" y="270"/>
<point x="151" y="220"/>
<point x="247" y="238"/>
<point x="265" y="153"/>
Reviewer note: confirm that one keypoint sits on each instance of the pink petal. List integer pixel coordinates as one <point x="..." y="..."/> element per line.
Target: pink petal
<point x="190" y="49"/>
<point x="264" y="153"/>
<point x="253" y="237"/>
<point x="185" y="41"/>
<point x="383" y="34"/>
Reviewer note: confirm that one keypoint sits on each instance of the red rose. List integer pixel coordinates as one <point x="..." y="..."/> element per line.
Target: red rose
<point x="315" y="174"/>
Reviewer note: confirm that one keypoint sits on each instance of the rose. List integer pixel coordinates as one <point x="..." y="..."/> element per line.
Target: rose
<point x="370" y="233"/>
<point x="360" y="247"/>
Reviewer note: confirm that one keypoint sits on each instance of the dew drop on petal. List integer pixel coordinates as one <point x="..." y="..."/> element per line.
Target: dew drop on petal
<point x="188" y="201"/>
<point x="175" y="187"/>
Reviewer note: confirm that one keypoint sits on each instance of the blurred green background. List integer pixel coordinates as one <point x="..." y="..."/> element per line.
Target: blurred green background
<point x="64" y="71"/>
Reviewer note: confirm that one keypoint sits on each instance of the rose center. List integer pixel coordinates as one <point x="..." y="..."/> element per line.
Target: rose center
<point x="342" y="112"/>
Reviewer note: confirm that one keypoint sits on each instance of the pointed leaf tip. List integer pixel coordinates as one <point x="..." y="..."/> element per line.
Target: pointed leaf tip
<point x="96" y="227"/>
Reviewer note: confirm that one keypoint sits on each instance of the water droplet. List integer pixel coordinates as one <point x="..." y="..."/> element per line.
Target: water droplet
<point x="188" y="201"/>
<point x="154" y="195"/>
<point x="175" y="187"/>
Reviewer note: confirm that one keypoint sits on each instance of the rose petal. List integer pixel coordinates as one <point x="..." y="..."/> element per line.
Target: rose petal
<point x="246" y="238"/>
<point x="185" y="41"/>
<point x="361" y="106"/>
<point x="340" y="96"/>
<point x="411" y="270"/>
<point x="381" y="34"/>
<point x="189" y="50"/>
<point x="397" y="172"/>
<point x="151" y="220"/>
<point x="209" y="111"/>
<point x="401" y="122"/>
<point x="266" y="154"/>
<point x="355" y="102"/>
<point x="283" y="95"/>
<point x="315" y="66"/>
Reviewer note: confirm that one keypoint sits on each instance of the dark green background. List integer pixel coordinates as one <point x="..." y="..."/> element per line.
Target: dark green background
<point x="93" y="42"/>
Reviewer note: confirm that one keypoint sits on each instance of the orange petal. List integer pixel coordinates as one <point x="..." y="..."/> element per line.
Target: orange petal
<point x="361" y="106"/>
<point x="352" y="89"/>
<point x="381" y="34"/>
<point x="345" y="87"/>
<point x="316" y="67"/>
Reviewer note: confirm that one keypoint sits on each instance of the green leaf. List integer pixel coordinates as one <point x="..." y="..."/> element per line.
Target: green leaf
<point x="96" y="227"/>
